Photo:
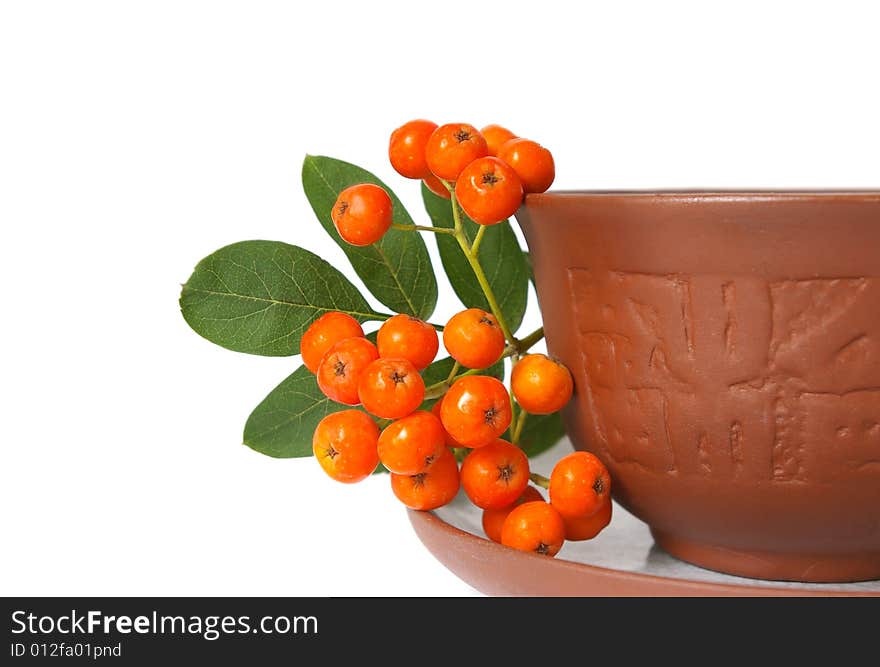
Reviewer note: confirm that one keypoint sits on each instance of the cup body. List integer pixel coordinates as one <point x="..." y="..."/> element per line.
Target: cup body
<point x="726" y="355"/>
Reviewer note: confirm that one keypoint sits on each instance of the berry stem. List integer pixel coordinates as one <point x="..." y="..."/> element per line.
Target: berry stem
<point x="455" y="368"/>
<point x="526" y="343"/>
<point x="438" y="389"/>
<point x="467" y="249"/>
<point x="478" y="239"/>
<point x="540" y="480"/>
<point x="512" y="402"/>
<point x="421" y="228"/>
<point x="518" y="426"/>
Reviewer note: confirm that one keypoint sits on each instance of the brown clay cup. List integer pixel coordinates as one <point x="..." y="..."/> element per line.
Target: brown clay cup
<point x="725" y="349"/>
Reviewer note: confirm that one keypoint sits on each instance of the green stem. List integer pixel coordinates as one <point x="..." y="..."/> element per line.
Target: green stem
<point x="512" y="402"/>
<point x="518" y="427"/>
<point x="456" y="220"/>
<point x="478" y="271"/>
<point x="526" y="343"/>
<point x="453" y="372"/>
<point x="437" y="389"/>
<point x="478" y="239"/>
<point x="421" y="228"/>
<point x="540" y="480"/>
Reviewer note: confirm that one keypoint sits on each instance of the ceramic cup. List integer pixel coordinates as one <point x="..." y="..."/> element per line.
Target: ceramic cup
<point x="725" y="348"/>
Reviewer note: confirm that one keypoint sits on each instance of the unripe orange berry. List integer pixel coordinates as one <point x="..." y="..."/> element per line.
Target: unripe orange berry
<point x="579" y="484"/>
<point x="436" y="186"/>
<point x="495" y="137"/>
<point x="452" y="147"/>
<point x="324" y="333"/>
<point x="407" y="337"/>
<point x="587" y="527"/>
<point x="494" y="476"/>
<point x="541" y="385"/>
<point x="489" y="191"/>
<point x="473" y="338"/>
<point x="406" y="149"/>
<point x="532" y="162"/>
<point x="344" y="444"/>
<point x="535" y="527"/>
<point x="493" y="520"/>
<point x="340" y="369"/>
<point x="450" y="441"/>
<point x="409" y="445"/>
<point x="391" y="388"/>
<point x="430" y="489"/>
<point x="476" y="410"/>
<point x="362" y="214"/>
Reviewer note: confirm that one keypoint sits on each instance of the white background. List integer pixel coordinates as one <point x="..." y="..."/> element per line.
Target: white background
<point x="137" y="137"/>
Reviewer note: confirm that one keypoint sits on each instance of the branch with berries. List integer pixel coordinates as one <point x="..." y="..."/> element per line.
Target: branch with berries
<point x="382" y="402"/>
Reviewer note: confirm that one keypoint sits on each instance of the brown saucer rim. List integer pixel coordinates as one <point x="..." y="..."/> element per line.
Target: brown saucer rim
<point x="435" y="533"/>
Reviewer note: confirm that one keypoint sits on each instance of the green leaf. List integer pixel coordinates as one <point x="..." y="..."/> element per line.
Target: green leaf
<point x="397" y="269"/>
<point x="540" y="433"/>
<point x="500" y="255"/>
<point x="438" y="371"/>
<point x="260" y="296"/>
<point x="282" y="425"/>
<point x="528" y="260"/>
<point x="496" y="370"/>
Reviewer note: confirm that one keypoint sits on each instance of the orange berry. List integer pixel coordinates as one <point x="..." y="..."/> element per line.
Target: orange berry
<point x="409" y="445"/>
<point x="476" y="410"/>
<point x="436" y="186"/>
<point x="344" y="443"/>
<point x="473" y="338"/>
<point x="495" y="137"/>
<point x="579" y="484"/>
<point x="430" y="489"/>
<point x="450" y="441"/>
<point x="493" y="520"/>
<point x="407" y="337"/>
<point x="340" y="369"/>
<point x="540" y="385"/>
<point x="489" y="191"/>
<point x="452" y="147"/>
<point x="531" y="161"/>
<point x="587" y="527"/>
<point x="535" y="527"/>
<point x="362" y="214"/>
<point x="391" y="388"/>
<point x="324" y="333"/>
<point x="406" y="149"/>
<point x="494" y="476"/>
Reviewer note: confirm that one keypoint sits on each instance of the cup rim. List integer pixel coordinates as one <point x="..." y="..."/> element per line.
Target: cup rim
<point x="715" y="194"/>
